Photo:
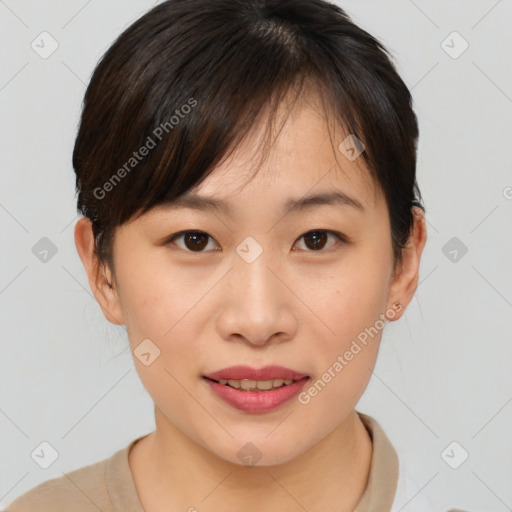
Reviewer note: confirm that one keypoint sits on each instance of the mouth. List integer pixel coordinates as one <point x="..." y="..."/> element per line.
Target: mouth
<point x="251" y="385"/>
<point x="256" y="395"/>
<point x="256" y="390"/>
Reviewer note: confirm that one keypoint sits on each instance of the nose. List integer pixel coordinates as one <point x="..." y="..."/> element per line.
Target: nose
<point x="257" y="303"/>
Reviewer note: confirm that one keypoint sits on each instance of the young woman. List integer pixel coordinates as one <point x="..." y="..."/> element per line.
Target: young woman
<point x="246" y="174"/>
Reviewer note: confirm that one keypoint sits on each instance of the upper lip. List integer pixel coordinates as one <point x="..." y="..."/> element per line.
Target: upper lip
<point x="265" y="373"/>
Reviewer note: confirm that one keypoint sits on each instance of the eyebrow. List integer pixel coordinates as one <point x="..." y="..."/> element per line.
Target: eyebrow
<point x="291" y="205"/>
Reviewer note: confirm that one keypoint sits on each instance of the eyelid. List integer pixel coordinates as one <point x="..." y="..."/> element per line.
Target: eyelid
<point x="341" y="238"/>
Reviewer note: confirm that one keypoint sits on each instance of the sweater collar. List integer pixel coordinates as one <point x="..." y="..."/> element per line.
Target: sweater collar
<point x="382" y="482"/>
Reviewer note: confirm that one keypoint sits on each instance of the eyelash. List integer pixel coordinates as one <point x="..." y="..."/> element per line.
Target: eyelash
<point x="341" y="238"/>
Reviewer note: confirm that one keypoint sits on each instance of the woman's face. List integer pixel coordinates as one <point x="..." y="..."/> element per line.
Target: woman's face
<point x="252" y="290"/>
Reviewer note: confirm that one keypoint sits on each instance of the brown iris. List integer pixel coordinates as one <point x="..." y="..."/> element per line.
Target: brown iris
<point x="318" y="237"/>
<point x="198" y="240"/>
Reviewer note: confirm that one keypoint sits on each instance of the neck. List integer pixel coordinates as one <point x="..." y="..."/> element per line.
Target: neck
<point x="172" y="471"/>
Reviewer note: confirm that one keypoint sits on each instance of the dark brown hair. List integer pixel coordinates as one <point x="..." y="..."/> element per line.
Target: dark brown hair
<point x="189" y="79"/>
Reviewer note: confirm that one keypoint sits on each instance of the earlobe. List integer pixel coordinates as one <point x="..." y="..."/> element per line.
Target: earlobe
<point x="405" y="281"/>
<point x="100" y="284"/>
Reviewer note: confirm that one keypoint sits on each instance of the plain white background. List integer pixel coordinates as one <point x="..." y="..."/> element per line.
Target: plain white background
<point x="443" y="372"/>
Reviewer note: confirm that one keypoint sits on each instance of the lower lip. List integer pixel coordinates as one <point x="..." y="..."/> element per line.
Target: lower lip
<point x="257" y="401"/>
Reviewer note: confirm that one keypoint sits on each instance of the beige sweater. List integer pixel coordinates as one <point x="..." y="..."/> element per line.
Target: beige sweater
<point x="108" y="485"/>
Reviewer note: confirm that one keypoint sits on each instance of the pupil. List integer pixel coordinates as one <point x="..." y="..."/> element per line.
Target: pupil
<point x="315" y="235"/>
<point x="194" y="236"/>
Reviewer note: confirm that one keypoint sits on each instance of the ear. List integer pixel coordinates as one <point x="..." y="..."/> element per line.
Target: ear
<point x="405" y="280"/>
<point x="106" y="295"/>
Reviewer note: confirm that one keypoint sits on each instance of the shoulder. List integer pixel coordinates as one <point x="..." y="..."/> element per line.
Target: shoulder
<point x="81" y="490"/>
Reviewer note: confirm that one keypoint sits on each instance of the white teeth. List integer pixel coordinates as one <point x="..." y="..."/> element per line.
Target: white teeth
<point x="248" y="384"/>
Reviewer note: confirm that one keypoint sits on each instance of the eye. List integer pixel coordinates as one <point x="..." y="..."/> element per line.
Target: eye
<point x="196" y="241"/>
<point x="315" y="240"/>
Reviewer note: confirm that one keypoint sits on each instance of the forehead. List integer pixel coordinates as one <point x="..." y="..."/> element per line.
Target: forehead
<point x="302" y="162"/>
<point x="300" y="168"/>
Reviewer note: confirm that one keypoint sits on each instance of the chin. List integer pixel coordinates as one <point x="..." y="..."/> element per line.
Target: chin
<point x="257" y="453"/>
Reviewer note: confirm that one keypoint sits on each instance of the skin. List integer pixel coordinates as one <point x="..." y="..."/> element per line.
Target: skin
<point x="293" y="306"/>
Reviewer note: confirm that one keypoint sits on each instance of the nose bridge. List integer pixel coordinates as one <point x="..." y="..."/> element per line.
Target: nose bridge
<point x="252" y="275"/>
<point x="255" y="308"/>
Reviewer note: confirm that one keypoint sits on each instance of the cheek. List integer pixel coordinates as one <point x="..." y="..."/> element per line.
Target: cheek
<point x="350" y="298"/>
<point x="168" y="311"/>
<point x="162" y="322"/>
<point x="153" y="297"/>
<point x="347" y="341"/>
<point x="348" y="304"/>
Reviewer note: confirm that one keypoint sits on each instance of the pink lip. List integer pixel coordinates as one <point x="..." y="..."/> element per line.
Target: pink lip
<point x="265" y="373"/>
<point x="256" y="401"/>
